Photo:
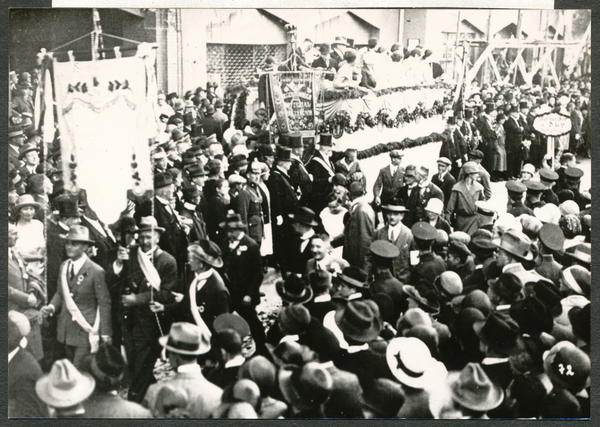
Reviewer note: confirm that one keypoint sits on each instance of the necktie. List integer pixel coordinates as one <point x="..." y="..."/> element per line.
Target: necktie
<point x="71" y="272"/>
<point x="392" y="237"/>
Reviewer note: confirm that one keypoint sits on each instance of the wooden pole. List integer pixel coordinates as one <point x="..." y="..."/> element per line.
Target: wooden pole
<point x="456" y="45"/>
<point x="516" y="70"/>
<point x="401" y="28"/>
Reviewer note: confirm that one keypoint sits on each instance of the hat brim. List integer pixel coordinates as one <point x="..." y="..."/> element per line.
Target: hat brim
<point x="394" y="208"/>
<point x="22" y="205"/>
<point x="58" y="398"/>
<point x="232" y="225"/>
<point x="66" y="237"/>
<point x="312" y="223"/>
<point x="352" y="282"/>
<point x="365" y="335"/>
<point x="22" y="154"/>
<point x="232" y="321"/>
<point x="493" y="400"/>
<point x="427" y="305"/>
<point x="203" y="349"/>
<point x="159" y="229"/>
<point x="527" y="257"/>
<point x="306" y="295"/>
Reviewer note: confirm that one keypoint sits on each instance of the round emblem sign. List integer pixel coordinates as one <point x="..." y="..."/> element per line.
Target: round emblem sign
<point x="552" y="124"/>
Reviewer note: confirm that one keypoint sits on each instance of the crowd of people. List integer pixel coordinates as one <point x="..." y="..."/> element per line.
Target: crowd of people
<point x="422" y="301"/>
<point x="373" y="66"/>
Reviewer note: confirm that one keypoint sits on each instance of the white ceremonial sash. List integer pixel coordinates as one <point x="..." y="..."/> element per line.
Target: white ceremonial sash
<point x="77" y="316"/>
<point x="149" y="270"/>
<point x="201" y="280"/>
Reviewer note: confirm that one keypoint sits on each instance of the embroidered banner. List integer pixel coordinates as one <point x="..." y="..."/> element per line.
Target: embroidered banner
<point x="105" y="112"/>
<point x="294" y="101"/>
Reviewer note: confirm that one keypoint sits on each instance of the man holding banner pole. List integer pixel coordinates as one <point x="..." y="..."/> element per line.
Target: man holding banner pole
<point x="144" y="273"/>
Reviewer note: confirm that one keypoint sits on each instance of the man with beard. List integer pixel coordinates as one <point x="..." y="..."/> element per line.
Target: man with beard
<point x="144" y="273"/>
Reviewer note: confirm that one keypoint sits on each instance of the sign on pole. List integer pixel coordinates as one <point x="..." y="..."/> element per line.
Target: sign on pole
<point x="552" y="125"/>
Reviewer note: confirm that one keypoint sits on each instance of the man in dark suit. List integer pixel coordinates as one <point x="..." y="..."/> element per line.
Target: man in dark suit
<point x="205" y="285"/>
<point x="322" y="171"/>
<point x="489" y="136"/>
<point x="453" y="146"/>
<point x="300" y="177"/>
<point x="338" y="46"/>
<point x="443" y="179"/>
<point x="23" y="372"/>
<point x="326" y="62"/>
<point x="409" y="195"/>
<point x="427" y="191"/>
<point x="82" y="301"/>
<point x="104" y="241"/>
<point x="211" y="125"/>
<point x="174" y="239"/>
<point x="283" y="201"/>
<point x="243" y="274"/>
<point x="249" y="204"/>
<point x="57" y="225"/>
<point x="143" y="273"/>
<point x="389" y="180"/>
<point x="298" y="248"/>
<point x="191" y="215"/>
<point x="514" y="139"/>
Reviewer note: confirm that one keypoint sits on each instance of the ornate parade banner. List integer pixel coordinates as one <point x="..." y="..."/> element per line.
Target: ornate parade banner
<point x="294" y="101"/>
<point x="105" y="114"/>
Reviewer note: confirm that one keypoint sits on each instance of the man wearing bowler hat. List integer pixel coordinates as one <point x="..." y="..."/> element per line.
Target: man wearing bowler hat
<point x="322" y="171"/>
<point x="243" y="274"/>
<point x="143" y="274"/>
<point x="400" y="236"/>
<point x="82" y="301"/>
<point x="326" y="62"/>
<point x="184" y="343"/>
<point x="444" y="179"/>
<point x="298" y="247"/>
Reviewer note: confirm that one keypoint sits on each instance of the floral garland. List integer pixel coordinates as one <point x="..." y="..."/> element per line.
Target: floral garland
<point x="355" y="93"/>
<point x="240" y="109"/>
<point x="342" y="120"/>
<point x="398" y="145"/>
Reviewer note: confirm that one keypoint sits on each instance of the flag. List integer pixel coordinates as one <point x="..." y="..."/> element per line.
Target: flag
<point x="49" y="109"/>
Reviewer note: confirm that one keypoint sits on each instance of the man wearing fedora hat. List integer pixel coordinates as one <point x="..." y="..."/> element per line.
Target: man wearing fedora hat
<point x="243" y="274"/>
<point x="322" y="170"/>
<point x="184" y="343"/>
<point x="399" y="235"/>
<point x="82" y="301"/>
<point x="108" y="368"/>
<point x="143" y="273"/>
<point x="356" y="325"/>
<point x="29" y="154"/>
<point x="65" y="389"/>
<point x="206" y="296"/>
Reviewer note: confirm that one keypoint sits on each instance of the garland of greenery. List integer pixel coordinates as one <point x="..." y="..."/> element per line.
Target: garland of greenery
<point x="398" y="145"/>
<point x="356" y="93"/>
<point x="240" y="109"/>
<point x="342" y="119"/>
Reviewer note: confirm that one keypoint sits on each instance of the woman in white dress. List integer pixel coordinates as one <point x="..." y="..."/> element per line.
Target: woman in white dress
<point x="332" y="218"/>
<point x="31" y="243"/>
